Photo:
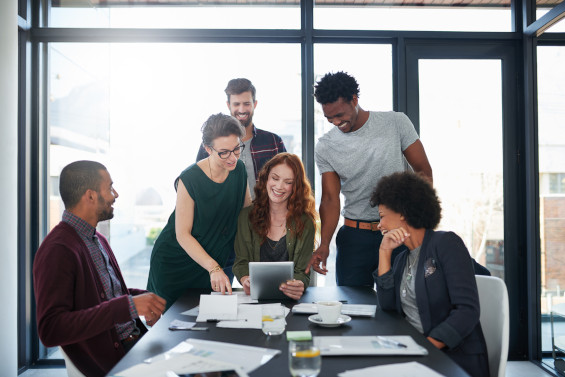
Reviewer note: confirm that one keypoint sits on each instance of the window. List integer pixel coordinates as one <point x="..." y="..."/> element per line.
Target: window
<point x="185" y="14"/>
<point x="467" y="15"/>
<point x="375" y="83"/>
<point x="551" y="139"/>
<point x="138" y="109"/>
<point x="461" y="129"/>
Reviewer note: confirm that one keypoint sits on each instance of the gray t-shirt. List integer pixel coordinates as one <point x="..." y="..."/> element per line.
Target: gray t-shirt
<point x="408" y="290"/>
<point x="248" y="161"/>
<point x="362" y="157"/>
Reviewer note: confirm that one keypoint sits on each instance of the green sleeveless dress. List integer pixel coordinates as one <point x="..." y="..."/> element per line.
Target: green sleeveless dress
<point x="216" y="208"/>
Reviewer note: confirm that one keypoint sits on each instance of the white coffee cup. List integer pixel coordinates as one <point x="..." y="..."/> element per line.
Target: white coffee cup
<point x="329" y="311"/>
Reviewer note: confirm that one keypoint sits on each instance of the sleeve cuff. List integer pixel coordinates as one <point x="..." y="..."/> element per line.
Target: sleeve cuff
<point x="132" y="309"/>
<point x="385" y="281"/>
<point x="446" y="334"/>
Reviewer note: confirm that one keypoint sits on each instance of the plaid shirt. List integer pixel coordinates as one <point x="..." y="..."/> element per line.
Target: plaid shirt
<point x="264" y="146"/>
<point x="110" y="281"/>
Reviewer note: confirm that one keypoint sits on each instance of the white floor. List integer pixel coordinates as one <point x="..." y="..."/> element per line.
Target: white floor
<point x="514" y="369"/>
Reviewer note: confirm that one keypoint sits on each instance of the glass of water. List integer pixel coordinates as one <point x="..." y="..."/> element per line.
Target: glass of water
<point x="304" y="359"/>
<point x="273" y="322"/>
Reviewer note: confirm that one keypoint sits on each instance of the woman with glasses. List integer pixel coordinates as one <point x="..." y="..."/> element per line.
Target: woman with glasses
<point x="194" y="246"/>
<point x="280" y="225"/>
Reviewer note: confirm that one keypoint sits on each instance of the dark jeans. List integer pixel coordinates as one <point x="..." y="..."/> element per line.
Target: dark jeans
<point x="229" y="264"/>
<point x="358" y="256"/>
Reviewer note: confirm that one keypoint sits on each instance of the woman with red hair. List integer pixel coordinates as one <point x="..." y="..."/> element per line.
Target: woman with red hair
<point x="280" y="225"/>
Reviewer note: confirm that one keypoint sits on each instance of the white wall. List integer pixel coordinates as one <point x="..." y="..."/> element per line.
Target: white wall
<point x="8" y="180"/>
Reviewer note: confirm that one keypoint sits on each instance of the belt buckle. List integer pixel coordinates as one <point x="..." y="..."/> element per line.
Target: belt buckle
<point x="374" y="225"/>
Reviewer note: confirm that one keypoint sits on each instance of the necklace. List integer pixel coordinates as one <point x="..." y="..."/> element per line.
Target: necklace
<point x="276" y="244"/>
<point x="410" y="274"/>
<point x="275" y="225"/>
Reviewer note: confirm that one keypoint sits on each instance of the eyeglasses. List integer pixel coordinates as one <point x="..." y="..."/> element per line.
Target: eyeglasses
<point x="224" y="155"/>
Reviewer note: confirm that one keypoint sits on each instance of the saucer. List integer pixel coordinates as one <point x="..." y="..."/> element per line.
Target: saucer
<point x="342" y="319"/>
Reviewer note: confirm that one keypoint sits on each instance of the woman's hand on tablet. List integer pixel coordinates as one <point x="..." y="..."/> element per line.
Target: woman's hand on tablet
<point x="293" y="288"/>
<point x="246" y="284"/>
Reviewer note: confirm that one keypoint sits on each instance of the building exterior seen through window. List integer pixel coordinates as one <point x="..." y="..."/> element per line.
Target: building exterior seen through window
<point x="551" y="139"/>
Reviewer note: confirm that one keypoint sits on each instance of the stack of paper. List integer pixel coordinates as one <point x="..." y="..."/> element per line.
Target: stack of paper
<point x="393" y="370"/>
<point x="368" y="345"/>
<point x="197" y="355"/>
<point x="348" y="309"/>
<point x="248" y="317"/>
<point x="217" y="307"/>
<point x="229" y="314"/>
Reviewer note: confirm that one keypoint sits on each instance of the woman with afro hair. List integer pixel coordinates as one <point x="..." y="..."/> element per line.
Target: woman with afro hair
<point x="433" y="282"/>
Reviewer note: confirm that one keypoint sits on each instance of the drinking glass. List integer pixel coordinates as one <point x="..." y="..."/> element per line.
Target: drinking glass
<point x="304" y="359"/>
<point x="273" y="322"/>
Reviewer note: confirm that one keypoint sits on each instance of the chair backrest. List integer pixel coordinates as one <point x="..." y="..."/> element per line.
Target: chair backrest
<point x="72" y="370"/>
<point x="495" y="319"/>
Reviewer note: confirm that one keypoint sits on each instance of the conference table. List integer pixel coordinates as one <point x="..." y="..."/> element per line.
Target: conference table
<point x="160" y="339"/>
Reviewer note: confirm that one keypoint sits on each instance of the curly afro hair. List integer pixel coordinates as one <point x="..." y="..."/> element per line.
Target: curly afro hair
<point x="410" y="195"/>
<point x="335" y="85"/>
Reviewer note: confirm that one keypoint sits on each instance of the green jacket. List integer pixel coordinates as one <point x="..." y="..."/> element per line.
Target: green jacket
<point x="248" y="244"/>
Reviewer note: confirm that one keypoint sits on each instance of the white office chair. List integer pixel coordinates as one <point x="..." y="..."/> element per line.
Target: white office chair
<point x="72" y="370"/>
<point x="495" y="319"/>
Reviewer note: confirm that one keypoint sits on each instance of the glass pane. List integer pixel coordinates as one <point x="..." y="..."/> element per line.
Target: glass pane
<point x="375" y="83"/>
<point x="461" y="129"/>
<point x="551" y="138"/>
<point x="186" y="14"/>
<point x="138" y="109"/>
<point x="470" y="15"/>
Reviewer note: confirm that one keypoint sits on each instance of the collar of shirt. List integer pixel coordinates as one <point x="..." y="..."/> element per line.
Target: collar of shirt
<point x="82" y="227"/>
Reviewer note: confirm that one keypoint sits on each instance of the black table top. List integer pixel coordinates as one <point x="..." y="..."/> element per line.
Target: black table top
<point x="160" y="339"/>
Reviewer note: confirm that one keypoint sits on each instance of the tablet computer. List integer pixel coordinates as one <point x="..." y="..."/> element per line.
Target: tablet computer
<point x="266" y="277"/>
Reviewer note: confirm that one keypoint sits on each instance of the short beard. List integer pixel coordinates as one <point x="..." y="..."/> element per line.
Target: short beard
<point x="104" y="214"/>
<point x="246" y="124"/>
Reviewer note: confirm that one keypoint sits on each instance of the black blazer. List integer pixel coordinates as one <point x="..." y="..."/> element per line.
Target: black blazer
<point x="447" y="298"/>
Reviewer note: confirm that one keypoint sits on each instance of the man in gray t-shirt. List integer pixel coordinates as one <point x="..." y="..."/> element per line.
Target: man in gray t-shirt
<point x="364" y="147"/>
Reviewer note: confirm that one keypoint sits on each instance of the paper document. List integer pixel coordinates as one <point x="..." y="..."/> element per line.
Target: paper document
<point x="248" y="317"/>
<point x="349" y="309"/>
<point x="180" y="364"/>
<point x="410" y="369"/>
<point x="247" y="357"/>
<point x="191" y="312"/>
<point x="181" y="324"/>
<point x="242" y="298"/>
<point x="368" y="345"/>
<point x="217" y="307"/>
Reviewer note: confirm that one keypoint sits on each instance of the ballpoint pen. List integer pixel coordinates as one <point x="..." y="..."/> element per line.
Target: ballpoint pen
<point x="391" y="342"/>
<point x="194" y="328"/>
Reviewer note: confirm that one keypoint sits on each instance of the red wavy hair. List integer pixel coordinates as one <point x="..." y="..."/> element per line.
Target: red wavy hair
<point x="301" y="201"/>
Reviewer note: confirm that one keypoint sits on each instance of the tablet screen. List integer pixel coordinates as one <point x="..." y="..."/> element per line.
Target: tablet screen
<point x="266" y="277"/>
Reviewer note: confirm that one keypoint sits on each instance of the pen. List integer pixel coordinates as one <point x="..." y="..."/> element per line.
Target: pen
<point x="391" y="342"/>
<point x="177" y="328"/>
